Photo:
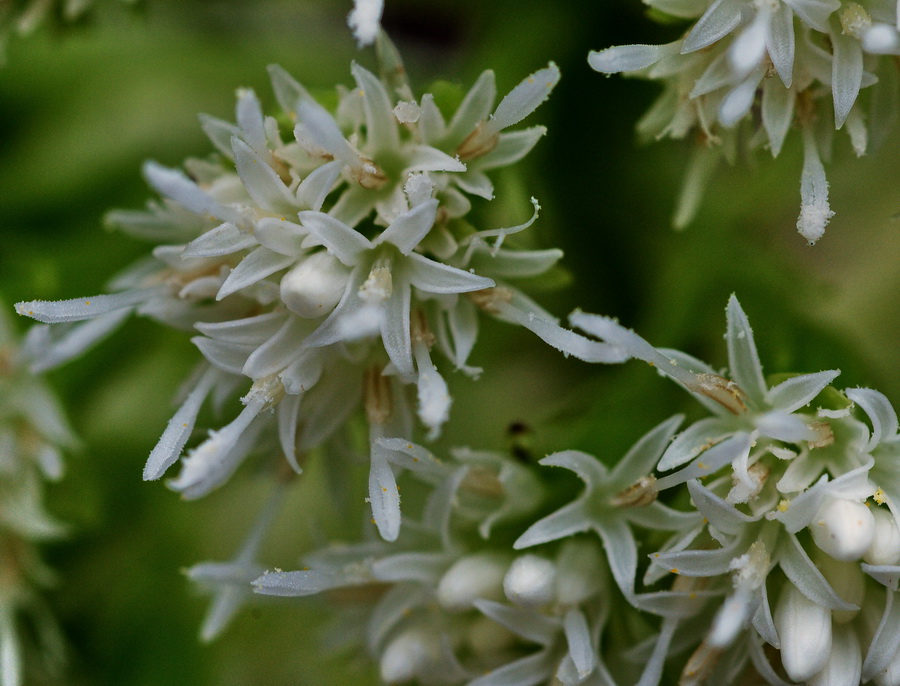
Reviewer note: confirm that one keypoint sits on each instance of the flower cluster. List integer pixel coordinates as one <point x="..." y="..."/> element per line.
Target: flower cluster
<point x="33" y="432"/>
<point x="325" y="256"/>
<point x="442" y="605"/>
<point x="793" y="496"/>
<point x="747" y="71"/>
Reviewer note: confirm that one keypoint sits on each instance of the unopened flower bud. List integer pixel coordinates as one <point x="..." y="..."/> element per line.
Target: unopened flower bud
<point x="843" y="528"/>
<point x="844" y="664"/>
<point x="885" y="548"/>
<point x="409" y="655"/>
<point x="530" y="581"/>
<point x="314" y="286"/>
<point x="470" y="578"/>
<point x="805" y="632"/>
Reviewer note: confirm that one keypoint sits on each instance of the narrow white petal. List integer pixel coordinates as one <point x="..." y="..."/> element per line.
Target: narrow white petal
<point x="222" y="240"/>
<point x="78" y="309"/>
<point x="261" y="181"/>
<point x="256" y="266"/>
<point x="279" y="351"/>
<point x="433" y="394"/>
<point x="426" y="158"/>
<point x="722" y="17"/>
<point x="381" y="128"/>
<point x="799" y="391"/>
<point x="288" y="92"/>
<point x="578" y="637"/>
<point x="323" y="131"/>
<point x="213" y="462"/>
<point x="566" y="341"/>
<point x="46" y="347"/>
<point x="511" y="147"/>
<point x="408" y="230"/>
<point x="815" y="13"/>
<point x="313" y="190"/>
<point x="435" y="277"/>
<point x="749" y="48"/>
<point x="431" y="121"/>
<point x="629" y="57"/>
<point x="250" y="120"/>
<point x="743" y="359"/>
<point x="780" y="43"/>
<point x="846" y="74"/>
<point x="229" y="357"/>
<point x="524" y="98"/>
<point x="344" y="243"/>
<point x="395" y="332"/>
<point x="287" y="412"/>
<point x="739" y="101"/>
<point x="174" y="184"/>
<point x="473" y="110"/>
<point x="178" y="430"/>
<point x="777" y="113"/>
<point x="880" y="411"/>
<point x="250" y="331"/>
<point x="280" y="235"/>
<point x="384" y="497"/>
<point x="515" y="264"/>
<point x="219" y="132"/>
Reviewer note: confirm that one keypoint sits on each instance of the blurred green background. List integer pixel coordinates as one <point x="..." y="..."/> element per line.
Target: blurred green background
<point x="82" y="106"/>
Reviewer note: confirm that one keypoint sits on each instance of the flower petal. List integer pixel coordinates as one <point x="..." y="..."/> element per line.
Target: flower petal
<point x="722" y="17"/>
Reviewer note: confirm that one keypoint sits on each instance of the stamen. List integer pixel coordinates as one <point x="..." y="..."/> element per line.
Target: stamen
<point x="724" y="391"/>
<point x="490" y="299"/>
<point x="641" y="493"/>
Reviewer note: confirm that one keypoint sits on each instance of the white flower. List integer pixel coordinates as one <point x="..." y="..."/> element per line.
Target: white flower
<point x="745" y="408"/>
<point x="784" y="55"/>
<point x="611" y="502"/>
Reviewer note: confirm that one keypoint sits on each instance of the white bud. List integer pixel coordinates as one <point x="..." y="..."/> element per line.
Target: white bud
<point x="885" y="548"/>
<point x="881" y="39"/>
<point x="530" y="581"/>
<point x="843" y="528"/>
<point x="471" y="578"/>
<point x="314" y="286"/>
<point x="844" y="664"/>
<point x="409" y="655"/>
<point x="805" y="632"/>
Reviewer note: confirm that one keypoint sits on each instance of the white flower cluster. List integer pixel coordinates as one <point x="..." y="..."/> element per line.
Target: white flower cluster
<point x="748" y="71"/>
<point x="324" y="257"/>
<point x="33" y="432"/>
<point x="793" y="496"/>
<point x="443" y="605"/>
